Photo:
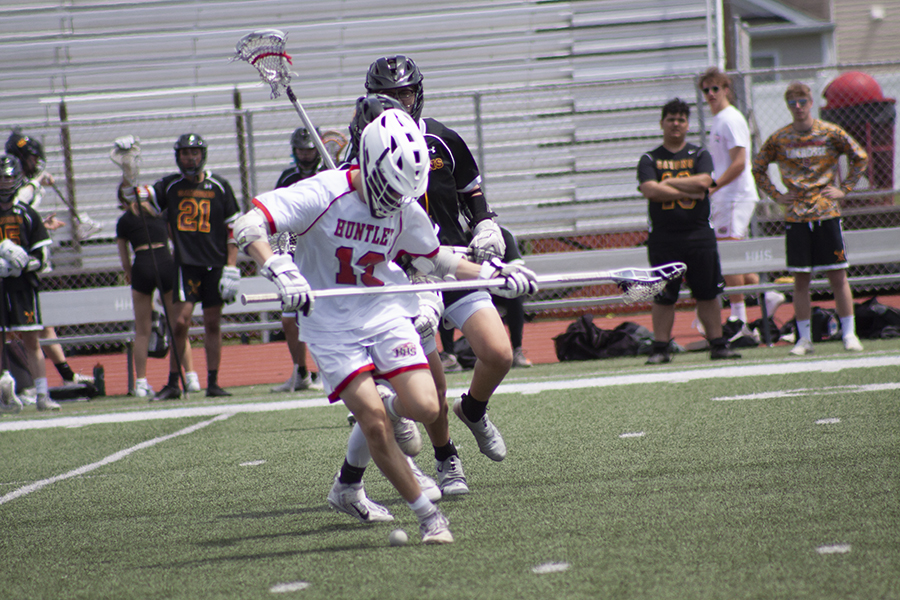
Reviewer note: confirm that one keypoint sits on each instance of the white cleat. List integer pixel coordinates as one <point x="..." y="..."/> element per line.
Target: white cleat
<point x="803" y="347"/>
<point x="428" y="485"/>
<point x="142" y="389"/>
<point x="9" y="402"/>
<point x="44" y="402"/>
<point x="435" y="529"/>
<point x="852" y="343"/>
<point x="451" y="479"/>
<point x="490" y="442"/>
<point x="351" y="499"/>
<point x="406" y="432"/>
<point x="193" y="381"/>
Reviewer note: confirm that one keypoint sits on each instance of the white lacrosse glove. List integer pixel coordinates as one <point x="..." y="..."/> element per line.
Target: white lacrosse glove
<point x="487" y="242"/>
<point x="8" y="270"/>
<point x="431" y="307"/>
<point x="14" y="254"/>
<point x="292" y="287"/>
<point x="229" y="282"/>
<point x="520" y="281"/>
<point x="125" y="142"/>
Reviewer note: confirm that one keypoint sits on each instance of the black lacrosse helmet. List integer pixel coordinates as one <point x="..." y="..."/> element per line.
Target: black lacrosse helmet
<point x="11" y="178"/>
<point x="21" y="146"/>
<point x="367" y="110"/>
<point x="301" y="139"/>
<point x="190" y="140"/>
<point x="392" y="73"/>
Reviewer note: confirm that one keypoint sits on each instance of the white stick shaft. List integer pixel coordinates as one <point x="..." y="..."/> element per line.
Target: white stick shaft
<point x="544" y="282"/>
<point x="320" y="146"/>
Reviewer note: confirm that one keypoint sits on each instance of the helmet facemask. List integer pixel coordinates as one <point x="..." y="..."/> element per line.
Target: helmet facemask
<point x="11" y="178"/>
<point x="388" y="75"/>
<point x="301" y="140"/>
<point x="190" y="140"/>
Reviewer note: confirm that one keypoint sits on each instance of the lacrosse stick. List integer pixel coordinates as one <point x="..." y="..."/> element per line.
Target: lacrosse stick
<point x="637" y="285"/>
<point x="335" y="142"/>
<point x="264" y="49"/>
<point x="125" y="152"/>
<point x="9" y="402"/>
<point x="85" y="227"/>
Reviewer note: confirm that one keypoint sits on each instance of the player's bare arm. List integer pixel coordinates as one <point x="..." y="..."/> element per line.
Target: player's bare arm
<point x="656" y="191"/>
<point x="738" y="156"/>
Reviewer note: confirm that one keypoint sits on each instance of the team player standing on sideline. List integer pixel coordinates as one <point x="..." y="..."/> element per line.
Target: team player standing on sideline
<point x="807" y="153"/>
<point x="24" y="247"/>
<point x="307" y="163"/>
<point x="352" y="224"/>
<point x="200" y="209"/>
<point x="733" y="194"/>
<point x="675" y="179"/>
<point x="453" y="191"/>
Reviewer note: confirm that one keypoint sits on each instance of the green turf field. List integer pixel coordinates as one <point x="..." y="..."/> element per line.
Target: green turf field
<point x="769" y="477"/>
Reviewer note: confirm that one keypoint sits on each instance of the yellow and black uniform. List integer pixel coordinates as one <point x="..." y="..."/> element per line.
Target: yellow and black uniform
<point x="23" y="225"/>
<point x="680" y="230"/>
<point x="199" y="217"/>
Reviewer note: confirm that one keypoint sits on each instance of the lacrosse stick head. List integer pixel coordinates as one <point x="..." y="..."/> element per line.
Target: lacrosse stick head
<point x="9" y="402"/>
<point x="264" y="49"/>
<point x="643" y="285"/>
<point x="126" y="153"/>
<point x="334" y="142"/>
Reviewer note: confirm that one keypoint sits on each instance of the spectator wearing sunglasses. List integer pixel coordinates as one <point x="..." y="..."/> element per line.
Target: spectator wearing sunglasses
<point x="807" y="153"/>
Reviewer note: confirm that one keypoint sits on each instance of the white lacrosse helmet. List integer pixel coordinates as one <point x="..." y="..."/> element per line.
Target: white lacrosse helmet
<point x="394" y="163"/>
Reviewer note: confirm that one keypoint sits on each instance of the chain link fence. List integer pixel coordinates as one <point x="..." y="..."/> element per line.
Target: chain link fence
<point x="559" y="162"/>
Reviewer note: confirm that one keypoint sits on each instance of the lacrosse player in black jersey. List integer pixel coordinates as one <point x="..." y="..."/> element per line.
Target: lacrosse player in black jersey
<point x="24" y="246"/>
<point x="200" y="208"/>
<point x="676" y="178"/>
<point x="307" y="163"/>
<point x="454" y="191"/>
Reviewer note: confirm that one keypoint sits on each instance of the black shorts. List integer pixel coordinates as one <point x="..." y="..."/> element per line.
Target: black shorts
<point x="704" y="272"/>
<point x="22" y="311"/>
<point x="143" y="271"/>
<point x="815" y="246"/>
<point x="199" y="284"/>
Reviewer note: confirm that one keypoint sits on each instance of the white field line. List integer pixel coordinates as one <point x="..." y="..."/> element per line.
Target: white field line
<point x="663" y="375"/>
<point x="37" y="485"/>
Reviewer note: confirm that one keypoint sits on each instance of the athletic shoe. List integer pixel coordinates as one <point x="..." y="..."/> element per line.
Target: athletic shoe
<point x="351" y="499"/>
<point x="28" y="396"/>
<point x="142" y="388"/>
<point x="9" y="402"/>
<point x="659" y="358"/>
<point x="722" y="352"/>
<point x="45" y="403"/>
<point x="406" y="432"/>
<point x="803" y="347"/>
<point x="490" y="442"/>
<point x="428" y="485"/>
<point x="852" y="343"/>
<point x="86" y="227"/>
<point x="435" y="529"/>
<point x="351" y="419"/>
<point x="295" y="383"/>
<point x="773" y="301"/>
<point x="449" y="362"/>
<point x="169" y="392"/>
<point x="193" y="381"/>
<point x="520" y="361"/>
<point x="451" y="479"/>
<point x="214" y="391"/>
<point x="78" y="379"/>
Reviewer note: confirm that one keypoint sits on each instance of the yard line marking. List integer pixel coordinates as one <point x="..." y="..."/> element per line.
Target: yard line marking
<point x="252" y="463"/>
<point x="834" y="549"/>
<point x="37" y="485"/>
<point x="553" y="567"/>
<point x="294" y="586"/>
<point x="831" y="421"/>
<point x="632" y="435"/>
<point x="684" y="375"/>
<point x="825" y="391"/>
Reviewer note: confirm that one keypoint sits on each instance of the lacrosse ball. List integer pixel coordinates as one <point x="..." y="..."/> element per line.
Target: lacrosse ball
<point x="398" y="538"/>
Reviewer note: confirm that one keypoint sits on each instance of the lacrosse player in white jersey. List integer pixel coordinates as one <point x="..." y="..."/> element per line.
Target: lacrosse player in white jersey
<point x="351" y="225"/>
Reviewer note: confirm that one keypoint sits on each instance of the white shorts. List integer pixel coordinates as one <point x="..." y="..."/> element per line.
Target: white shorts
<point x="732" y="219"/>
<point x="387" y="354"/>
<point x="459" y="312"/>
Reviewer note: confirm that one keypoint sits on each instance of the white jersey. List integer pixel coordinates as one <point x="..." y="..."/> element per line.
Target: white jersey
<point x="729" y="130"/>
<point x="340" y="244"/>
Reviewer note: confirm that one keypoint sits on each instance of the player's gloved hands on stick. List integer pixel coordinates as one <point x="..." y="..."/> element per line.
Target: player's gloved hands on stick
<point x="8" y="270"/>
<point x="520" y="281"/>
<point x="292" y="286"/>
<point x="229" y="282"/>
<point x="14" y="254"/>
<point x="487" y="242"/>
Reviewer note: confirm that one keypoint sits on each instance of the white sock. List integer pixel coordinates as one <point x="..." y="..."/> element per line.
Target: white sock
<point x="848" y="326"/>
<point x="357" y="448"/>
<point x="803" y="330"/>
<point x="739" y="311"/>
<point x="41" y="387"/>
<point x="423" y="507"/>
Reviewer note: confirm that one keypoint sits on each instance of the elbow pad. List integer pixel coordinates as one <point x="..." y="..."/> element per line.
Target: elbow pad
<point x="250" y="227"/>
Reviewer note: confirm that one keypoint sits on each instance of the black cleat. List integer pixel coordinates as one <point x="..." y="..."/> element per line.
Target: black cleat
<point x="719" y="350"/>
<point x="214" y="391"/>
<point x="658" y="358"/>
<point x="168" y="392"/>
